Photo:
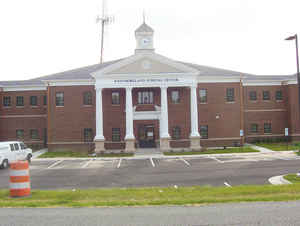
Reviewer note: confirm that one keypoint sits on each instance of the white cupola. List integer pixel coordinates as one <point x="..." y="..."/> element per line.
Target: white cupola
<point x="144" y="39"/>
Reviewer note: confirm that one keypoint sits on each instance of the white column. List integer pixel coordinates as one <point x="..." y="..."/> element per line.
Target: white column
<point x="99" y="115"/>
<point x="194" y="112"/>
<point x="129" y="114"/>
<point x="164" y="121"/>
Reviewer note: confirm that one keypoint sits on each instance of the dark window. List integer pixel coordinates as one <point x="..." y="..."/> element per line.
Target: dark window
<point x="88" y="134"/>
<point x="45" y="99"/>
<point x="203" y="95"/>
<point x="20" y="134"/>
<point x="204" y="132"/>
<point x="175" y="96"/>
<point x="12" y="147"/>
<point x="33" y="100"/>
<point x="19" y="101"/>
<point x="176" y="133"/>
<point x="116" y="134"/>
<point x="16" y="146"/>
<point x="267" y="128"/>
<point x="34" y="134"/>
<point x="6" y="101"/>
<point x="252" y="95"/>
<point x="145" y="97"/>
<point x="23" y="146"/>
<point x="59" y="99"/>
<point x="278" y="95"/>
<point x="115" y="97"/>
<point x="266" y="95"/>
<point x="87" y="98"/>
<point x="230" y="94"/>
<point x="253" y="128"/>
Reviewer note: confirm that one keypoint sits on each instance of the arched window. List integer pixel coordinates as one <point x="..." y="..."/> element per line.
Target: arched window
<point x="87" y="98"/>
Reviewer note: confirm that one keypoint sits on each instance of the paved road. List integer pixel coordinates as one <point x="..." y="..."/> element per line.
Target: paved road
<point x="89" y="173"/>
<point x="245" y="214"/>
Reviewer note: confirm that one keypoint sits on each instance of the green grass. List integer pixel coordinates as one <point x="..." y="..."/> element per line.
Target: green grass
<point x="293" y="178"/>
<point x="63" y="154"/>
<point x="280" y="146"/>
<point x="80" y="155"/>
<point x="152" y="196"/>
<point x="214" y="151"/>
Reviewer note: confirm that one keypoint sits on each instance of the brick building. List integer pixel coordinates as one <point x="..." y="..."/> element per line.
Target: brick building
<point x="147" y="100"/>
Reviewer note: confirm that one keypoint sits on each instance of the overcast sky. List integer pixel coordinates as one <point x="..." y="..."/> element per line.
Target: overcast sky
<point x="41" y="37"/>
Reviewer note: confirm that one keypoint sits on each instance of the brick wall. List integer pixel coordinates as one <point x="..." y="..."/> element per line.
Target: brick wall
<point x="223" y="118"/>
<point x="66" y="123"/>
<point x="25" y="117"/>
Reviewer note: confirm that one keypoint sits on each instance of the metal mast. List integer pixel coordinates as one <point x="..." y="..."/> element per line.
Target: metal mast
<point x="104" y="20"/>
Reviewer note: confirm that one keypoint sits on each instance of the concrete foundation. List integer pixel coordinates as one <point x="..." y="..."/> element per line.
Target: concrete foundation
<point x="99" y="146"/>
<point x="195" y="143"/>
<point x="129" y="147"/>
<point x="164" y="144"/>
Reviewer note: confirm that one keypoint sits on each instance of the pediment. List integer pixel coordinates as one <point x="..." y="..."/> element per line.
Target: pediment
<point x="145" y="64"/>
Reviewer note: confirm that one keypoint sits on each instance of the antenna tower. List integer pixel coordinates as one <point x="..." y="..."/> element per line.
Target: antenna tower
<point x="104" y="20"/>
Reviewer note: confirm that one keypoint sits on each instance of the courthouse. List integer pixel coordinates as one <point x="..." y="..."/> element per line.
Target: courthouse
<point x="148" y="100"/>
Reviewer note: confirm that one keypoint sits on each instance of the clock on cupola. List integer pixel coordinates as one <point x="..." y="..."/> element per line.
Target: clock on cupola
<point x="144" y="39"/>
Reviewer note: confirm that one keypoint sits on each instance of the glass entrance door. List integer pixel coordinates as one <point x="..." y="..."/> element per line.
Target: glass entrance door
<point x="146" y="136"/>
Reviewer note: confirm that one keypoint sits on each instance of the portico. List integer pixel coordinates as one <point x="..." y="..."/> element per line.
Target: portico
<point x="160" y="113"/>
<point x="146" y="70"/>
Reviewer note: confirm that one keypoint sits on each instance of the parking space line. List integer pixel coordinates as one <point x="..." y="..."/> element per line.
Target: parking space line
<point x="186" y="162"/>
<point x="119" y="164"/>
<point x="54" y="164"/>
<point x="218" y="160"/>
<point x="87" y="163"/>
<point x="151" y="160"/>
<point x="226" y="184"/>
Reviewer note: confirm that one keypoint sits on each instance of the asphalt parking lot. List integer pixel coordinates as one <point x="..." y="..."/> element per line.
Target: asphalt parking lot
<point x="181" y="171"/>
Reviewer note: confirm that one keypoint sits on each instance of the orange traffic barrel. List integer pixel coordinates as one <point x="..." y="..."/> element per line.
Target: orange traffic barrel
<point x="19" y="179"/>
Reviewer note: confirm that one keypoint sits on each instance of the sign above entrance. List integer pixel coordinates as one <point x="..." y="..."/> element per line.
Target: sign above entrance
<point x="150" y="80"/>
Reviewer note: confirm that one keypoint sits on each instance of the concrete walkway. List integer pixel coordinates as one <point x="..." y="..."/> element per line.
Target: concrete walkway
<point x="260" y="149"/>
<point x="36" y="154"/>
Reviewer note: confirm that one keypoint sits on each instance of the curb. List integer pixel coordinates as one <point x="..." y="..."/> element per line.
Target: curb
<point x="154" y="156"/>
<point x="278" y="180"/>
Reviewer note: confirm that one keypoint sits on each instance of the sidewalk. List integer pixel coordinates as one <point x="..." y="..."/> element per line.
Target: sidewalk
<point x="260" y="149"/>
<point x="36" y="154"/>
<point x="156" y="154"/>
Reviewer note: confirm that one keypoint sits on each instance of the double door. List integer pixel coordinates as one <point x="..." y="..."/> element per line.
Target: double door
<point x="146" y="136"/>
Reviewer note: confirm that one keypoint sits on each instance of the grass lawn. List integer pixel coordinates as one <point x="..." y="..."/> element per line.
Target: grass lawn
<point x="293" y="178"/>
<point x="281" y="146"/>
<point x="152" y="196"/>
<point x="214" y="151"/>
<point x="277" y="146"/>
<point x="80" y="155"/>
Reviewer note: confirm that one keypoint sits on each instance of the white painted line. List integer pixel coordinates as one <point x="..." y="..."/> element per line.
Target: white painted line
<point x="119" y="164"/>
<point x="278" y="180"/>
<point x="186" y="162"/>
<point x="87" y="163"/>
<point x="228" y="185"/>
<point x="151" y="160"/>
<point x="54" y="164"/>
<point x="214" y="158"/>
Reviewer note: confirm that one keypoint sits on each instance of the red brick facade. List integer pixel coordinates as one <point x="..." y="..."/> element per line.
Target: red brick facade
<point x="61" y="127"/>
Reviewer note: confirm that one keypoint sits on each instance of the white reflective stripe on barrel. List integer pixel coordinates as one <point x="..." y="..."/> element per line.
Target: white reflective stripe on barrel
<point x="19" y="185"/>
<point x="19" y="172"/>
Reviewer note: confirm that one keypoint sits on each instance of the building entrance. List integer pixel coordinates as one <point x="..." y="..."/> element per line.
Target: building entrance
<point x="146" y="136"/>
